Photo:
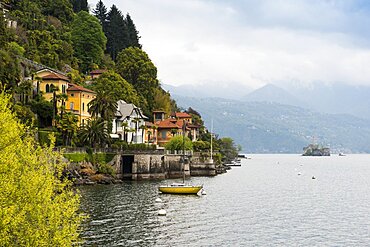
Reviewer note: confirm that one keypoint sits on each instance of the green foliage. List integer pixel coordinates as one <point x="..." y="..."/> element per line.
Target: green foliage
<point x="179" y="143"/>
<point x="67" y="127"/>
<point x="104" y="168"/>
<point x="44" y="111"/>
<point x="44" y="137"/>
<point x="36" y="208"/>
<point x="227" y="148"/>
<point x="94" y="133"/>
<point x="135" y="66"/>
<point x="101" y="13"/>
<point x="9" y="70"/>
<point x="116" y="32"/>
<point x="24" y="114"/>
<point x="133" y="34"/>
<point x="88" y="40"/>
<point x="201" y="146"/>
<point x="80" y="5"/>
<point x="76" y="157"/>
<point x="112" y="83"/>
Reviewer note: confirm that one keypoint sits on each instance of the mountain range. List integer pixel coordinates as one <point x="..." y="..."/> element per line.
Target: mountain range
<point x="271" y="127"/>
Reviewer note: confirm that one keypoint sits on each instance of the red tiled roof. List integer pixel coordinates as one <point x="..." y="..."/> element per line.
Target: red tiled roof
<point x="167" y="124"/>
<point x="79" y="88"/>
<point x="53" y="76"/>
<point x="182" y="115"/>
<point x="98" y="71"/>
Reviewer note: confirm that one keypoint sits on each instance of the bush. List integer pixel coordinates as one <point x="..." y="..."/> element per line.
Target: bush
<point x="76" y="157"/>
<point x="177" y="143"/>
<point x="105" y="169"/>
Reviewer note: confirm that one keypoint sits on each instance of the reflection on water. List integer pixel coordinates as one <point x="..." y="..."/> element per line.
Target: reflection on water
<point x="264" y="202"/>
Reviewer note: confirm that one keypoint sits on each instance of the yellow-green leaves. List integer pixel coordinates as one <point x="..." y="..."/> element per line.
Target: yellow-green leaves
<point x="36" y="207"/>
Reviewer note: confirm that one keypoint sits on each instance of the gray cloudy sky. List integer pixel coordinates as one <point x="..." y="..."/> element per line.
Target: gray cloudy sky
<point x="254" y="42"/>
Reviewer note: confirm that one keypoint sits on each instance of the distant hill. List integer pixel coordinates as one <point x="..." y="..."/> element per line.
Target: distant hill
<point x="266" y="127"/>
<point x="272" y="93"/>
<point x="227" y="91"/>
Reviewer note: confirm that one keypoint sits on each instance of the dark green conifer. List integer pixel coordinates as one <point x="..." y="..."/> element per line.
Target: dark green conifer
<point x="116" y="32"/>
<point x="101" y="13"/>
<point x="79" y="5"/>
<point x="133" y="34"/>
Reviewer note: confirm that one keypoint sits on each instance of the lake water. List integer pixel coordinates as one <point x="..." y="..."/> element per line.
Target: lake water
<point x="263" y="203"/>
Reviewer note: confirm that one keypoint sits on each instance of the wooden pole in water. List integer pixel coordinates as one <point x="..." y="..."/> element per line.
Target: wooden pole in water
<point x="183" y="151"/>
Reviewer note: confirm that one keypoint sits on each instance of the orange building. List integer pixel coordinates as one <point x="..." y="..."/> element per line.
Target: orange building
<point x="174" y="126"/>
<point x="49" y="81"/>
<point x="78" y="100"/>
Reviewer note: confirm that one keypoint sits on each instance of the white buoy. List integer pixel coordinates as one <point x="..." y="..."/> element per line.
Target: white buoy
<point x="313" y="177"/>
<point x="299" y="173"/>
<point x="162" y="212"/>
<point x="158" y="200"/>
<point x="204" y="192"/>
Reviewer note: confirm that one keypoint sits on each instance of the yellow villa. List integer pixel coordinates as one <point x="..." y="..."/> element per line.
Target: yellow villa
<point x="78" y="100"/>
<point x="49" y="81"/>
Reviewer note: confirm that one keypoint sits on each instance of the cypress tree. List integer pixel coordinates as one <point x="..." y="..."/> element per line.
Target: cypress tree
<point x="116" y="32"/>
<point x="133" y="34"/>
<point x="100" y="12"/>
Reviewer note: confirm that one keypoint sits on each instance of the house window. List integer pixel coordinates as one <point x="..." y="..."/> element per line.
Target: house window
<point x="83" y="122"/>
<point x="83" y="106"/>
<point x="63" y="88"/>
<point x="71" y="106"/>
<point x="47" y="88"/>
<point x="164" y="134"/>
<point x="72" y="95"/>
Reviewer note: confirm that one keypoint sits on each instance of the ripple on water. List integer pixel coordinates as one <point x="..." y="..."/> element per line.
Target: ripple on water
<point x="258" y="204"/>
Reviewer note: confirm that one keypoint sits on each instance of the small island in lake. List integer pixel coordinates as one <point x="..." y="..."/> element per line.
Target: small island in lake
<point x="316" y="150"/>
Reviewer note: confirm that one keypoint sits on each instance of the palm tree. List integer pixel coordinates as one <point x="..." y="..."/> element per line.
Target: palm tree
<point x="94" y="133"/>
<point x="104" y="105"/>
<point x="124" y="127"/>
<point x="67" y="126"/>
<point x="143" y="128"/>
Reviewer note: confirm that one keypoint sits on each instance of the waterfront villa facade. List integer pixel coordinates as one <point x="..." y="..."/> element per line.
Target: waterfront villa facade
<point x="129" y="123"/>
<point x="175" y="125"/>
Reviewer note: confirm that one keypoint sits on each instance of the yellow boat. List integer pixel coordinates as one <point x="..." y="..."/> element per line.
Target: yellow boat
<point x="179" y="188"/>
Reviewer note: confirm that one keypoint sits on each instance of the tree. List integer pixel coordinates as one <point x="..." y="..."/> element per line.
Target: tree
<point x="103" y="106"/>
<point x="116" y="32"/>
<point x="37" y="208"/>
<point x="133" y="34"/>
<point x="67" y="126"/>
<point x="101" y="13"/>
<point x="94" y="133"/>
<point x="80" y="5"/>
<point x="179" y="143"/>
<point x="88" y="40"/>
<point x="135" y="66"/>
<point x="111" y="82"/>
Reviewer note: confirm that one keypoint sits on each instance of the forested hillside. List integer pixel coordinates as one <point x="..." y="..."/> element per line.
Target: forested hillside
<point x="65" y="36"/>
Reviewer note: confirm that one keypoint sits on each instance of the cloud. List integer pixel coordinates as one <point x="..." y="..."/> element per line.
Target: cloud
<point x="254" y="42"/>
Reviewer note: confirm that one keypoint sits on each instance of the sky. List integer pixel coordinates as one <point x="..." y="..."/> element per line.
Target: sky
<point x="251" y="43"/>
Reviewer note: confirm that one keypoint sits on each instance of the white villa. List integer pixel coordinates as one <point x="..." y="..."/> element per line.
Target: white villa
<point x="129" y="123"/>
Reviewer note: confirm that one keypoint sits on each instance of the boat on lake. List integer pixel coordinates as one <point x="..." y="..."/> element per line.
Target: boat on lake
<point x="180" y="188"/>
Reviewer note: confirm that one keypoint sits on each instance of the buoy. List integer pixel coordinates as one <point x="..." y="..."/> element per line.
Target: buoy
<point x="313" y="177"/>
<point x="204" y="192"/>
<point x="158" y="200"/>
<point x="162" y="212"/>
<point x="299" y="173"/>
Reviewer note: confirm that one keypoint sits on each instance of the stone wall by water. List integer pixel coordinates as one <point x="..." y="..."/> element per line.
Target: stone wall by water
<point x="154" y="166"/>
